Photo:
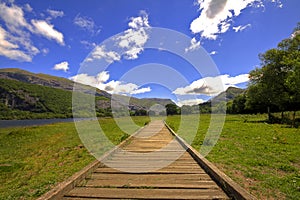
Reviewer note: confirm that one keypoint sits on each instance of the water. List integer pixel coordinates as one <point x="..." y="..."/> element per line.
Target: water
<point x="34" y="122"/>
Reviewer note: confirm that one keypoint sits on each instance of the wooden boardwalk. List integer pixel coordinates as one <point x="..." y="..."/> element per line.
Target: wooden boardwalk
<point x="150" y="165"/>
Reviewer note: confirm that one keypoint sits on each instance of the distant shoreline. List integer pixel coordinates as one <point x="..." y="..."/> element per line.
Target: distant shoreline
<point x="35" y="122"/>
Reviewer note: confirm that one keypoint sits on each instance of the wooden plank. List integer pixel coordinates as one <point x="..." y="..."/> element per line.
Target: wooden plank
<point x="153" y="183"/>
<point x="145" y="177"/>
<point x="167" y="170"/>
<point x="131" y="193"/>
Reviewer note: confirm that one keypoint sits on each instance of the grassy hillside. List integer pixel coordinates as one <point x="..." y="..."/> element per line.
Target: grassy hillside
<point x="229" y="94"/>
<point x="47" y="80"/>
<point x="19" y="100"/>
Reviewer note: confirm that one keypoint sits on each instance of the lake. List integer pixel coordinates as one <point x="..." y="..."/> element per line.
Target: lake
<point x="34" y="122"/>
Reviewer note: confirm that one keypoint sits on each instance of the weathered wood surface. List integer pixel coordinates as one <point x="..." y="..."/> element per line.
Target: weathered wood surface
<point x="133" y="177"/>
<point x="153" y="164"/>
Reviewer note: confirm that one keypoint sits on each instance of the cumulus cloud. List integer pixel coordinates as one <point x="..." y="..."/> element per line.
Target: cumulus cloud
<point x="55" y="13"/>
<point x="11" y="50"/>
<point x="216" y="16"/>
<point x="118" y="87"/>
<point x="134" y="38"/>
<point x="87" y="24"/>
<point x="128" y="45"/>
<point x="190" y="102"/>
<point x="212" y="85"/>
<point x="47" y="30"/>
<point x="100" y="52"/>
<point x="241" y="28"/>
<point x="113" y="86"/>
<point x="13" y="16"/>
<point x="17" y="32"/>
<point x="64" y="66"/>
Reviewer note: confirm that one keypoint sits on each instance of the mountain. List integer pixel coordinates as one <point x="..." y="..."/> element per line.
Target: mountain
<point x="228" y="95"/>
<point x="26" y="95"/>
<point x="148" y="102"/>
<point x="219" y="101"/>
<point x="47" y="80"/>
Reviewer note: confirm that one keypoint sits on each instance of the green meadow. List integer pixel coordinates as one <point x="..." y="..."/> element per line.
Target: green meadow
<point x="263" y="158"/>
<point x="34" y="159"/>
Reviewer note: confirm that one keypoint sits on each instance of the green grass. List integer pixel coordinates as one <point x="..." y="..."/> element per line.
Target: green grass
<point x="34" y="159"/>
<point x="262" y="158"/>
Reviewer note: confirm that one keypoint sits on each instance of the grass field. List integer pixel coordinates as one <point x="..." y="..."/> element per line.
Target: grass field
<point x="263" y="158"/>
<point x="34" y="159"/>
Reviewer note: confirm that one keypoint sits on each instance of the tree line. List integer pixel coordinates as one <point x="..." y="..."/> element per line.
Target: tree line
<point x="275" y="86"/>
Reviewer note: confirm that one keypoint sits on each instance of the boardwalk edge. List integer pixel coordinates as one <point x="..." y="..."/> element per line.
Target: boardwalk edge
<point x="64" y="187"/>
<point x="232" y="189"/>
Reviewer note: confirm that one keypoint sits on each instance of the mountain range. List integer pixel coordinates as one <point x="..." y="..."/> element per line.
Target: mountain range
<point x="24" y="94"/>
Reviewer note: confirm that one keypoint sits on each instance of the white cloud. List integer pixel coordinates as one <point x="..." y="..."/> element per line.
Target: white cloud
<point x="62" y="66"/>
<point x="87" y="24"/>
<point x="216" y="16"/>
<point x="139" y="22"/>
<point x="190" y="102"/>
<point x="13" y="17"/>
<point x="100" y="52"/>
<point x="87" y="44"/>
<point x="85" y="79"/>
<point x="194" y="45"/>
<point x="10" y="50"/>
<point x="295" y="34"/>
<point x="134" y="38"/>
<point x="130" y="43"/>
<point x="18" y="31"/>
<point x="213" y="53"/>
<point x="241" y="28"/>
<point x="118" y="87"/>
<point x="102" y="77"/>
<point x="212" y="85"/>
<point x="141" y="90"/>
<point x="47" y="30"/>
<point x="28" y="8"/>
<point x="55" y="13"/>
<point x="278" y="2"/>
<point x="113" y="87"/>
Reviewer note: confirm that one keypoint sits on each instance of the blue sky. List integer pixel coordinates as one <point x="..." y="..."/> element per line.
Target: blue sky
<point x="78" y="40"/>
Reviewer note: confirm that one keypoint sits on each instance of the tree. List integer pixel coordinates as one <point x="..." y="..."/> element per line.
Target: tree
<point x="292" y="59"/>
<point x="276" y="84"/>
<point x="237" y="106"/>
<point x="172" y="109"/>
